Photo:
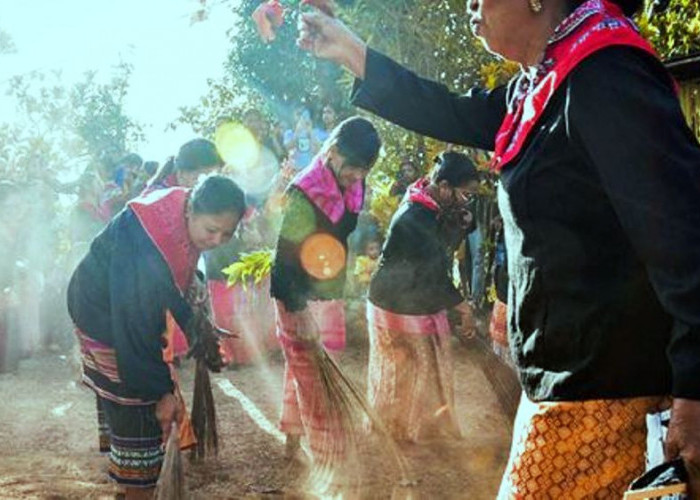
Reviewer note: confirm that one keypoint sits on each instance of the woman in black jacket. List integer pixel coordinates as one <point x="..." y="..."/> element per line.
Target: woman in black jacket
<point x="410" y="375"/>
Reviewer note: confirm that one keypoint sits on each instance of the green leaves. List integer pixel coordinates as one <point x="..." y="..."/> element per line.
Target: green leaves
<point x="253" y="266"/>
<point x="675" y="32"/>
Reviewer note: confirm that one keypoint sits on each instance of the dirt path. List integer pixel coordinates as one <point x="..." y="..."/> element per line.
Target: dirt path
<point x="48" y="438"/>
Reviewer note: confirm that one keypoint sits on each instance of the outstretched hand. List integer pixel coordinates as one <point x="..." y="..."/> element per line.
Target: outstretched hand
<point x="328" y="38"/>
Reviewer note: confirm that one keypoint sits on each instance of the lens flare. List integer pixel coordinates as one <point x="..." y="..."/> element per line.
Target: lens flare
<point x="322" y="256"/>
<point x="237" y="145"/>
<point x="257" y="180"/>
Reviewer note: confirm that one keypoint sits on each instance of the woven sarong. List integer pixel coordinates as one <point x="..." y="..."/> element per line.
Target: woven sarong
<point x="575" y="450"/>
<point x="304" y="407"/>
<point x="410" y="375"/>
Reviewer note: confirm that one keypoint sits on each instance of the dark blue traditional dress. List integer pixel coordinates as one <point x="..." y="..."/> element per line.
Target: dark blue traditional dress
<point x="136" y="273"/>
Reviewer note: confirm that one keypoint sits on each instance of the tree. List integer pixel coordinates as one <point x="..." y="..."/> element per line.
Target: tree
<point x="674" y="32"/>
<point x="7" y="46"/>
<point x="61" y="128"/>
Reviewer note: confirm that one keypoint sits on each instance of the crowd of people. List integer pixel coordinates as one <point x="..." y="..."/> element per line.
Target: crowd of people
<point x="596" y="260"/>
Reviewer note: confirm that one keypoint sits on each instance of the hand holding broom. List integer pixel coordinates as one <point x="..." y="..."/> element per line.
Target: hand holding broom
<point x="168" y="410"/>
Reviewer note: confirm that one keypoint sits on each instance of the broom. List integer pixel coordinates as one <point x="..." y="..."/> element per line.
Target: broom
<point x="205" y="351"/>
<point x="203" y="414"/>
<point x="347" y="406"/>
<point x="171" y="481"/>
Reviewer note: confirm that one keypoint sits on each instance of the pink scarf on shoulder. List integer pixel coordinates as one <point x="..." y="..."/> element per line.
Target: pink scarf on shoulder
<point x="319" y="184"/>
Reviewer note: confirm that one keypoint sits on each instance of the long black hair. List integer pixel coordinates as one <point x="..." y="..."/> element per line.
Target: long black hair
<point x="454" y="168"/>
<point x="357" y="141"/>
<point x="192" y="156"/>
<point x="217" y="194"/>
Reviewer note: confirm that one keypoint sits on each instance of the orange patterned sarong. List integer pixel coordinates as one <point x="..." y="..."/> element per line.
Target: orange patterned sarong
<point x="577" y="449"/>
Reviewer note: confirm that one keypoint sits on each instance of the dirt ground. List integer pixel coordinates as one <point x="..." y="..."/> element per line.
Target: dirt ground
<point x="48" y="437"/>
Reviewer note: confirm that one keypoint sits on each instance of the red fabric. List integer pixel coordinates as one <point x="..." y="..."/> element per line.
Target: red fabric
<point x="416" y="324"/>
<point x="318" y="182"/>
<point x="418" y="193"/>
<point x="162" y="215"/>
<point x="594" y="25"/>
<point x="248" y="312"/>
<point x="305" y="409"/>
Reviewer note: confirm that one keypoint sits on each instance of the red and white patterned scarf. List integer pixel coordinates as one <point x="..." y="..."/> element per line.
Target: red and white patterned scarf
<point x="162" y="215"/>
<point x="594" y="25"/>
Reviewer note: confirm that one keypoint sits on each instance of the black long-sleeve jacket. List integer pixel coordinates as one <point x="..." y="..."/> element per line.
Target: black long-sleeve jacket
<point x="118" y="295"/>
<point x="413" y="275"/>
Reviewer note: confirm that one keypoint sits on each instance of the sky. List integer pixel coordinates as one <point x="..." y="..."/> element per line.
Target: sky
<point x="171" y="57"/>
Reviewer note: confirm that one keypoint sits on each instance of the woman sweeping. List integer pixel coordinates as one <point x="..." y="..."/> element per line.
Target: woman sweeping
<point x="410" y="366"/>
<point x="138" y="270"/>
<point x="308" y="278"/>
<point x="600" y="198"/>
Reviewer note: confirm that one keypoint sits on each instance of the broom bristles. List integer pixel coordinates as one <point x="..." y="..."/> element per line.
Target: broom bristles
<point x="349" y="406"/>
<point x="204" y="414"/>
<point x="171" y="481"/>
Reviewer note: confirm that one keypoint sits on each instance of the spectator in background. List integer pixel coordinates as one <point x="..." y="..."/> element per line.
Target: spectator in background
<point x="266" y="136"/>
<point x="195" y="158"/>
<point x="300" y="141"/>
<point x="407" y="175"/>
<point x="9" y="252"/>
<point x="117" y="190"/>
<point x="329" y="119"/>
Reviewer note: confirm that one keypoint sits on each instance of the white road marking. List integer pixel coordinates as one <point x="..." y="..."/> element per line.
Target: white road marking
<point x="253" y="411"/>
<point x="61" y="410"/>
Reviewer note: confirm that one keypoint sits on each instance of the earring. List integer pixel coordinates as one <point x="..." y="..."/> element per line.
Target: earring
<point x="535" y="6"/>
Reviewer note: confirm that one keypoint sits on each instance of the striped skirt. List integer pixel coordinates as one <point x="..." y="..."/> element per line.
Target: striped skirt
<point x="127" y="427"/>
<point x="304" y="412"/>
<point x="410" y="375"/>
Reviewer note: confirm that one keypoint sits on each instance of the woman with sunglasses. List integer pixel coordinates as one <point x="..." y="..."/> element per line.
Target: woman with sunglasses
<point x="410" y="365"/>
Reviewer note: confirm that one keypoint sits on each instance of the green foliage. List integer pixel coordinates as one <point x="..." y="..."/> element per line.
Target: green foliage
<point x="7" y="46"/>
<point x="675" y="32"/>
<point x="63" y="128"/>
<point x="382" y="204"/>
<point x="253" y="266"/>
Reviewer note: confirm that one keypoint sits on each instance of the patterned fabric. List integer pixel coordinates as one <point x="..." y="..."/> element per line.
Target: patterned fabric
<point x="319" y="184"/>
<point x="100" y="372"/>
<point x="303" y="407"/>
<point x="572" y="450"/>
<point x="136" y="445"/>
<point x="594" y="25"/>
<point x="410" y="375"/>
<point x="418" y="193"/>
<point x="162" y="215"/>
